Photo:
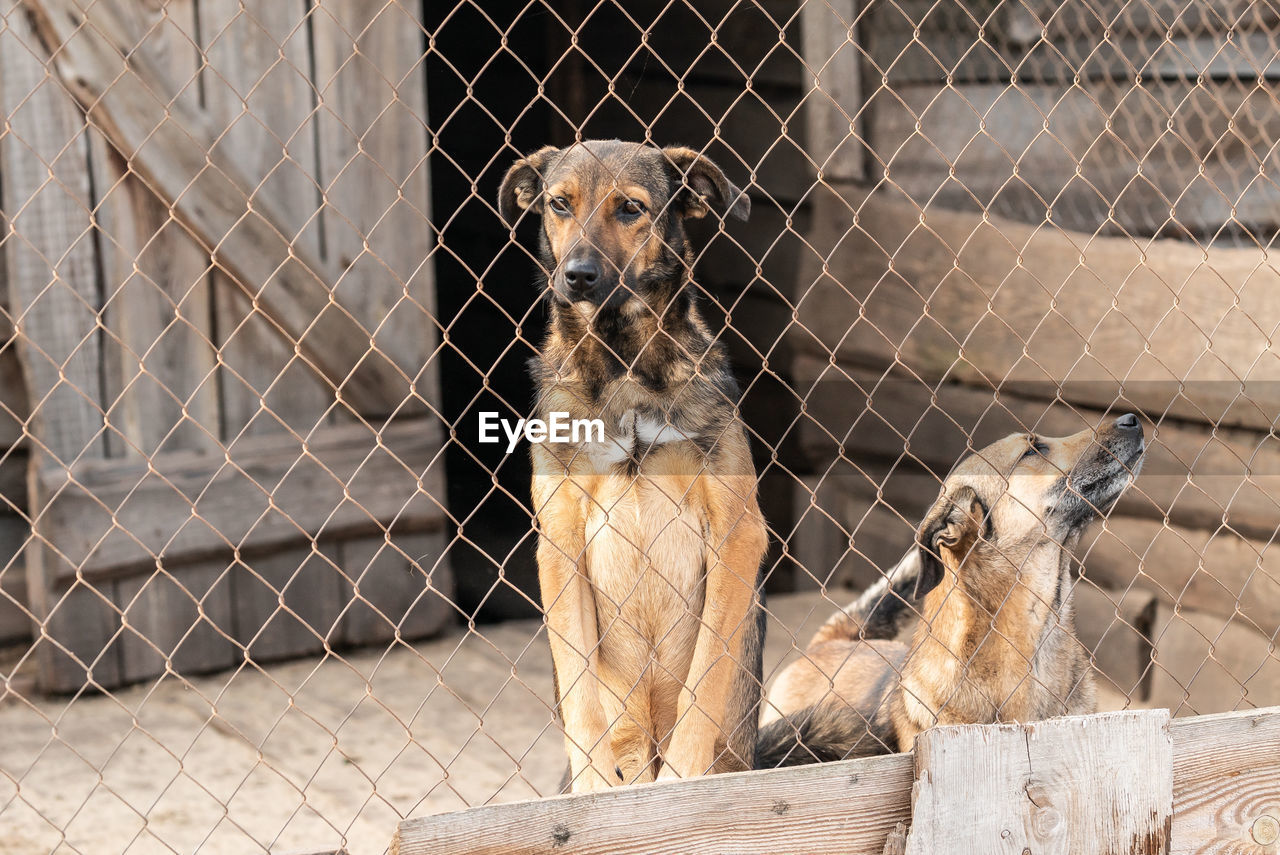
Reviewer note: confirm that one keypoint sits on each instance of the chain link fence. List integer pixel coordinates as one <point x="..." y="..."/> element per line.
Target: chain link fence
<point x="262" y="590"/>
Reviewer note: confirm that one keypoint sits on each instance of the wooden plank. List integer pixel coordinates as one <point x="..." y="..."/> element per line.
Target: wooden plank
<point x="833" y="106"/>
<point x="1164" y="325"/>
<point x="54" y="300"/>
<point x="1208" y="663"/>
<point x="1226" y="783"/>
<point x="373" y="142"/>
<point x="171" y="147"/>
<point x="1221" y="766"/>
<point x="288" y="602"/>
<point x="177" y="620"/>
<point x="264" y="491"/>
<point x="1075" y="786"/>
<point x="1145" y="160"/>
<point x="401" y="587"/>
<point x="1196" y="477"/>
<point x="260" y="102"/>
<point x="1214" y="570"/>
<point x="833" y="807"/>
<point x="158" y="355"/>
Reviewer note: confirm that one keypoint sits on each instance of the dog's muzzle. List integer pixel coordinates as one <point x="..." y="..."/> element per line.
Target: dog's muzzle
<point x="1098" y="479"/>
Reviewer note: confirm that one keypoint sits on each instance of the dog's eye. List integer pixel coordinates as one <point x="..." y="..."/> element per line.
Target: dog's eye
<point x="632" y="208"/>
<point x="560" y="204"/>
<point x="1037" y="448"/>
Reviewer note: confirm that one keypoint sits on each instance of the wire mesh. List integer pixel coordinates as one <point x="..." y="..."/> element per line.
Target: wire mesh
<point x="263" y="588"/>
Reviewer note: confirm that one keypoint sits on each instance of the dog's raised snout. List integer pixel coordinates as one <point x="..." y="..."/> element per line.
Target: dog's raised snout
<point x="1128" y="422"/>
<point x="581" y="274"/>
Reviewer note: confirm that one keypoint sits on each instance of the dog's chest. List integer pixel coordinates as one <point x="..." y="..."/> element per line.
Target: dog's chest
<point x="645" y="559"/>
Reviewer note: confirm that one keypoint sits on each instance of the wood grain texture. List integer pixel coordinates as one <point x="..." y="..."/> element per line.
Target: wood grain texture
<point x="177" y="620"/>
<point x="1073" y="786"/>
<point x="264" y="491"/>
<point x="1189" y="769"/>
<point x="831" y="808"/>
<point x="1141" y="156"/>
<point x="1226" y="776"/>
<point x="1197" y="477"/>
<point x="288" y="603"/>
<point x="158" y="358"/>
<point x="400" y="587"/>
<point x="373" y="142"/>
<point x="833" y="120"/>
<point x="51" y="272"/>
<point x="260" y="102"/>
<point x="1043" y="311"/>
<point x="171" y="147"/>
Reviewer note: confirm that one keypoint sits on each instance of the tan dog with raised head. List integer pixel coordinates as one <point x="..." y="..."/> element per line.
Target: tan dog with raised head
<point x="996" y="641"/>
<point x="650" y="541"/>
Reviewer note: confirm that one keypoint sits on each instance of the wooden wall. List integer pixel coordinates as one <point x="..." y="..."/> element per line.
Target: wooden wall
<point x="218" y="262"/>
<point x="1012" y="264"/>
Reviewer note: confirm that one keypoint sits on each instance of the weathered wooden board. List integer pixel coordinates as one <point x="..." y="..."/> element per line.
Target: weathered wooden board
<point x="1218" y="773"/>
<point x="1226" y="784"/>
<point x="264" y="491"/>
<point x="1043" y="311"/>
<point x="371" y="81"/>
<point x="176" y="620"/>
<point x="1208" y="570"/>
<point x="1196" y="477"/>
<point x="171" y="147"/>
<point x="1119" y="160"/>
<point x="288" y="602"/>
<point x="51" y="265"/>
<point x="399" y="588"/>
<point x="260" y="103"/>
<point x="833" y="105"/>
<point x="1071" y="786"/>
<point x="158" y="357"/>
<point x="1206" y="662"/>
<point x="830" y="808"/>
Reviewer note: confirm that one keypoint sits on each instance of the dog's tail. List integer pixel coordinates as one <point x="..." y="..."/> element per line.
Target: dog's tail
<point x="881" y="611"/>
<point x="821" y="734"/>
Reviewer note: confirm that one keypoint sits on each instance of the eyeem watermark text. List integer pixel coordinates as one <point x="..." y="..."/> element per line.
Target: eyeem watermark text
<point x="558" y="428"/>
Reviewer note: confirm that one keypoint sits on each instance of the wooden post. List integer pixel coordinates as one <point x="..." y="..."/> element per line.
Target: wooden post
<point x="828" y="34"/>
<point x="1076" y="786"/>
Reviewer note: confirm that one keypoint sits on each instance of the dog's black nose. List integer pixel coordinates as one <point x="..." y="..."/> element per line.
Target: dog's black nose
<point x="1129" y="422"/>
<point x="581" y="274"/>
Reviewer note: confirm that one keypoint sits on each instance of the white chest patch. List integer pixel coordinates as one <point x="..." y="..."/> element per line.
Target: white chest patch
<point x="633" y="431"/>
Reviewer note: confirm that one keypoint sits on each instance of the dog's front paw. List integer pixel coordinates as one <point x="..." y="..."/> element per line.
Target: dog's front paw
<point x="675" y="769"/>
<point x="598" y="776"/>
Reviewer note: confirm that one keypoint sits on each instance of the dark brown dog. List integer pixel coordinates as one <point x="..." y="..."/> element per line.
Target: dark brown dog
<point x="650" y="542"/>
<point x="996" y="641"/>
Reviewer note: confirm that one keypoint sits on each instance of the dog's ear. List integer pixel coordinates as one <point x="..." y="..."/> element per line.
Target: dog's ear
<point x="522" y="185"/>
<point x="948" y="533"/>
<point x="697" y="184"/>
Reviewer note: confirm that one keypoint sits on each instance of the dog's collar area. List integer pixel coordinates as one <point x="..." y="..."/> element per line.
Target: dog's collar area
<point x="634" y="433"/>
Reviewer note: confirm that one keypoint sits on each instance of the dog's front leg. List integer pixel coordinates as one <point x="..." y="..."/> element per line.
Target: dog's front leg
<point x="569" y="604"/>
<point x="736" y="543"/>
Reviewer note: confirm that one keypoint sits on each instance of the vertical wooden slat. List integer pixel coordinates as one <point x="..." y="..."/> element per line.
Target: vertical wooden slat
<point x="371" y="77"/>
<point x="51" y="259"/>
<point x="1091" y="785"/>
<point x="256" y="88"/>
<point x="159" y="363"/>
<point x="288" y="604"/>
<point x="158" y="350"/>
<point x="402" y="588"/>
<point x="829" y="45"/>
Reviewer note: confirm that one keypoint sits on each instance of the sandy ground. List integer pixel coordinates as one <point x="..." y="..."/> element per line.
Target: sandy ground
<point x="316" y="753"/>
<point x="325" y="752"/>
